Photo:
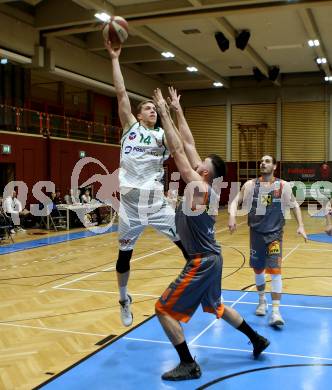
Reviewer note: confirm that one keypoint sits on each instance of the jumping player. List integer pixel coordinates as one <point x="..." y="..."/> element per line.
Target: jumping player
<point x="200" y="280"/>
<point x="142" y="201"/>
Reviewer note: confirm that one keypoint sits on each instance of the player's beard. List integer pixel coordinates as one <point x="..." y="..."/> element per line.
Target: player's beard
<point x="266" y="171"/>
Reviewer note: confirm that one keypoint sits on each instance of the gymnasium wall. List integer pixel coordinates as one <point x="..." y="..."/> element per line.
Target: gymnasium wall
<point x="96" y="67"/>
<point x="208" y="125"/>
<point x="305" y="131"/>
<point x="251" y="114"/>
<point x="37" y="158"/>
<point x="22" y="36"/>
<point x="297" y="116"/>
<point x="25" y="40"/>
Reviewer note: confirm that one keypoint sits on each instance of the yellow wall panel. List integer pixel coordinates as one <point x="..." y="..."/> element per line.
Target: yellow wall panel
<point x="208" y="126"/>
<point x="304" y="131"/>
<point x="254" y="114"/>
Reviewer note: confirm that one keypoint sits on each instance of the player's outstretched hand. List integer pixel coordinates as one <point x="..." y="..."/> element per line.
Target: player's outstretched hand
<point x="300" y="231"/>
<point x="114" y="52"/>
<point x="173" y="99"/>
<point x="232" y="224"/>
<point x="159" y="101"/>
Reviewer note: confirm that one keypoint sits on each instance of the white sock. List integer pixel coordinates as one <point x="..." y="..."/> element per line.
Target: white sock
<point x="123" y="293"/>
<point x="261" y="295"/>
<point x="275" y="306"/>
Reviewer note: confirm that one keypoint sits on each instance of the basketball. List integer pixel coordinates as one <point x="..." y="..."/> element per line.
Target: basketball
<point x="116" y="30"/>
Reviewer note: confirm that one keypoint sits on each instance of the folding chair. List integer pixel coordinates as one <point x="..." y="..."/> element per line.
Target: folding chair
<point x="5" y="225"/>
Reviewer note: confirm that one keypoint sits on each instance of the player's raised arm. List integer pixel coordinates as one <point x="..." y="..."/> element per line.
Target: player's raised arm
<point x="175" y="144"/>
<point x="187" y="137"/>
<point x="125" y="114"/>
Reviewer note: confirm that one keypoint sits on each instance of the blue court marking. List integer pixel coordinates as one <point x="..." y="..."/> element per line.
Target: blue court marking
<point x="21" y="246"/>
<point x="319" y="214"/>
<point x="320" y="237"/>
<point x="299" y="357"/>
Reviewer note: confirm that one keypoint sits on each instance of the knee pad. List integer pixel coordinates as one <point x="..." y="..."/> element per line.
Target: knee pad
<point x="123" y="262"/>
<point x="276" y="283"/>
<point x="260" y="278"/>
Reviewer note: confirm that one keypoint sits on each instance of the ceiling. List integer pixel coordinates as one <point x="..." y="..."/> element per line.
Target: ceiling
<point x="279" y="32"/>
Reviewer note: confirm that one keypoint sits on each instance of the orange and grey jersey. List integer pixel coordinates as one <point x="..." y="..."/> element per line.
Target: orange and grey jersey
<point x="266" y="214"/>
<point x="143" y="153"/>
<point x="197" y="230"/>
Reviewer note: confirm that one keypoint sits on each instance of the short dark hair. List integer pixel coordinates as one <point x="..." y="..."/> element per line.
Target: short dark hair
<point x="141" y="104"/>
<point x="219" y="166"/>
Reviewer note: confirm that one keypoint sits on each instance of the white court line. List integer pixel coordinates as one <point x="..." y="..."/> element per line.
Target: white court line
<point x="290" y="252"/>
<point x="265" y="353"/>
<point x="138" y="258"/>
<point x="215" y="320"/>
<point x="295" y="306"/>
<point x="232" y="349"/>
<point x="52" y="329"/>
<point x="237" y="301"/>
<point x="112" y="267"/>
<point x="107" y="292"/>
<point x="147" y="340"/>
<point x="157" y="296"/>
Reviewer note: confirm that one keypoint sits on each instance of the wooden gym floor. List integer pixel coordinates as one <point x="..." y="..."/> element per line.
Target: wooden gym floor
<point x="59" y="300"/>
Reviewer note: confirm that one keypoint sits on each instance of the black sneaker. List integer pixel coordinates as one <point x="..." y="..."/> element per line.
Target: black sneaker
<point x="182" y="372"/>
<point x="260" y="344"/>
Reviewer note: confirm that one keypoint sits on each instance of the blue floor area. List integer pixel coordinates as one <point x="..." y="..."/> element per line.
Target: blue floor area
<point x="299" y="357"/>
<point x="319" y="214"/>
<point x="21" y="246"/>
<point x="320" y="237"/>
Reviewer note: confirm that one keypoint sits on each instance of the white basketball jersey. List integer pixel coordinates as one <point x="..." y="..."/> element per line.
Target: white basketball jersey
<point x="143" y="152"/>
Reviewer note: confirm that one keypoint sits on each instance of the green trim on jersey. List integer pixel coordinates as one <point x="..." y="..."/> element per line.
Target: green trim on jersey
<point x="146" y="128"/>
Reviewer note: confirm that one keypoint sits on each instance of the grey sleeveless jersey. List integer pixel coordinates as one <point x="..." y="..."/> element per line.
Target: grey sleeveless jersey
<point x="196" y="231"/>
<point x="266" y="215"/>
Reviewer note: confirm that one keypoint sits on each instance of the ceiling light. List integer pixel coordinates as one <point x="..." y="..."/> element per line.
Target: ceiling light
<point x="192" y="69"/>
<point x="103" y="16"/>
<point x="321" y="60"/>
<point x="218" y="84"/>
<point x="4" y="61"/>
<point x="313" y="42"/>
<point x="167" y="54"/>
